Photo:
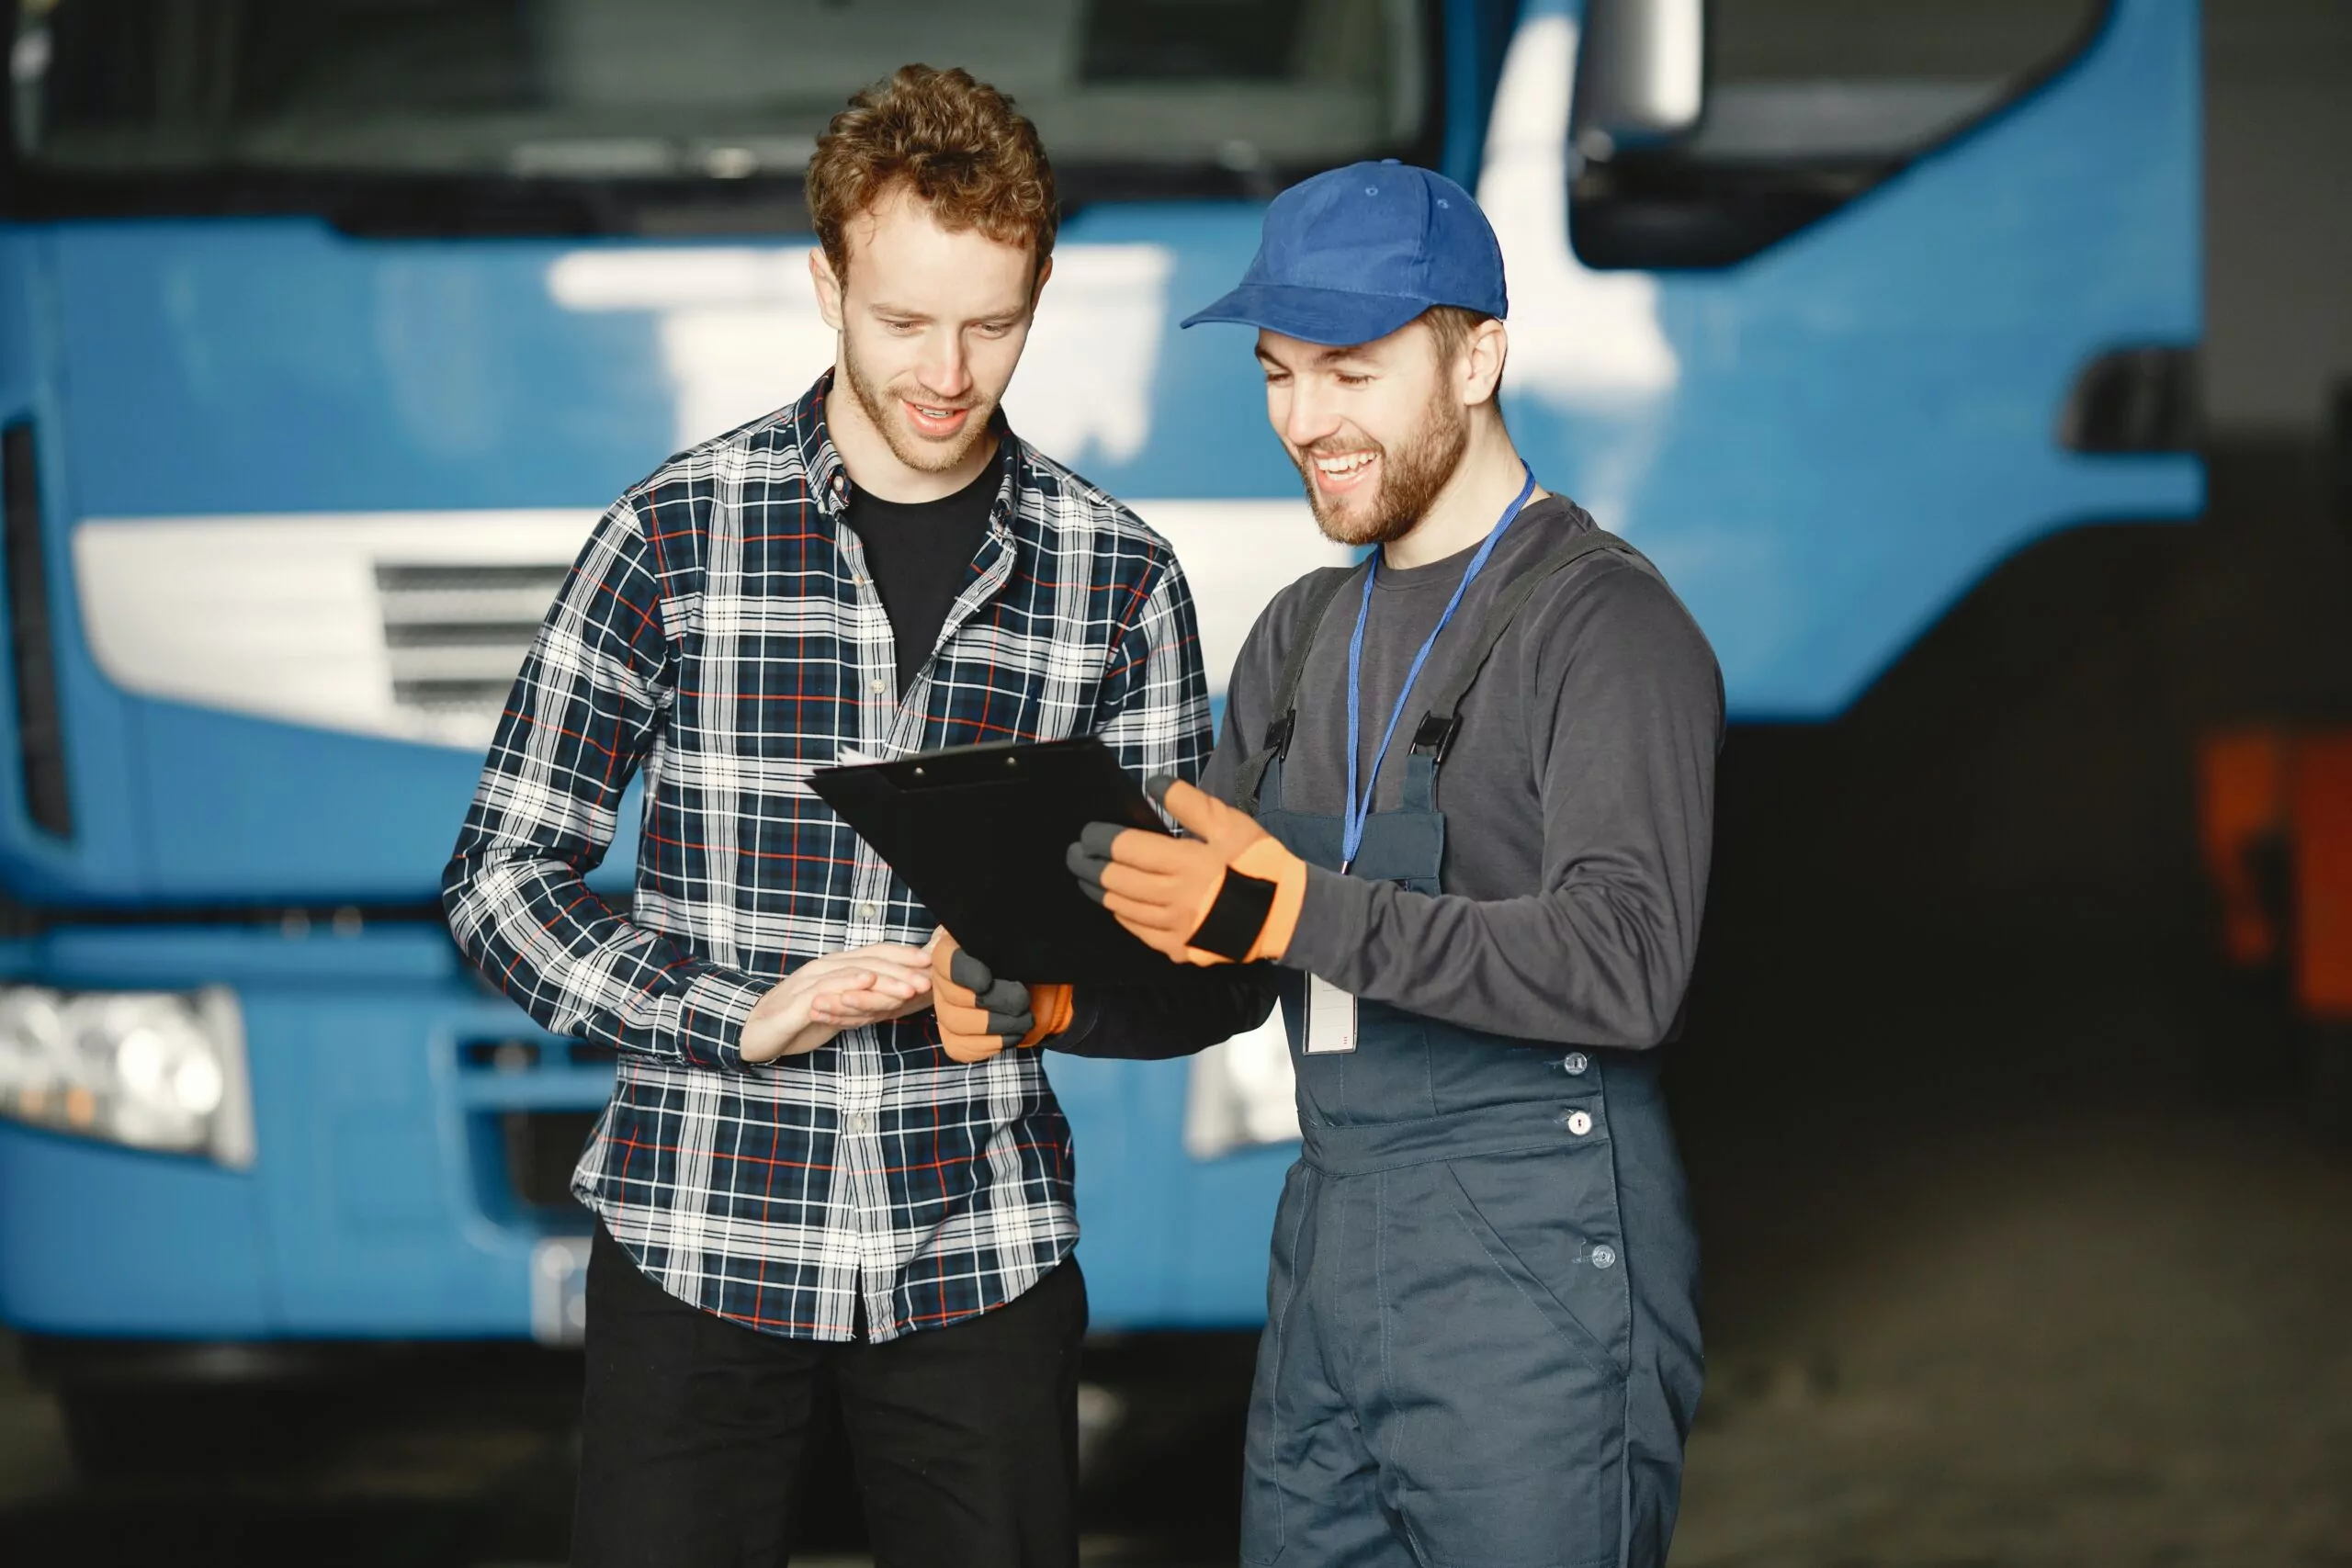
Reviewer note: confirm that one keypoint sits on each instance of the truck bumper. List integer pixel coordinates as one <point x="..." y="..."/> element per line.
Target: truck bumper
<point x="412" y="1133"/>
<point x="382" y="1202"/>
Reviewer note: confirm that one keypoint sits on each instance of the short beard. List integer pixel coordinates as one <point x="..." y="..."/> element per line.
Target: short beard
<point x="881" y="413"/>
<point x="1410" y="478"/>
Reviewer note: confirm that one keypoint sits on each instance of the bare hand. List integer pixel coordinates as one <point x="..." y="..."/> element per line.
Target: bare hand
<point x="841" y="990"/>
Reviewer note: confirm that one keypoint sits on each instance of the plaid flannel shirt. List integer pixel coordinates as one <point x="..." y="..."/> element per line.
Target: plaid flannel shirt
<point x="721" y="637"/>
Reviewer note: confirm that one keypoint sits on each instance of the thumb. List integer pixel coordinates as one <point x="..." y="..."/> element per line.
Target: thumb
<point x="969" y="972"/>
<point x="1196" y="811"/>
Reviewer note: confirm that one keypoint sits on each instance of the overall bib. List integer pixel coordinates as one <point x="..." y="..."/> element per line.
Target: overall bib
<point x="1482" y="1340"/>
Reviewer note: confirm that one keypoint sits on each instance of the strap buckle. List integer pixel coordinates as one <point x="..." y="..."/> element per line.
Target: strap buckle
<point x="1433" y="737"/>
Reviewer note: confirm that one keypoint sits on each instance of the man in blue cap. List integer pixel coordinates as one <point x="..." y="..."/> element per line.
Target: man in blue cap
<point x="1483" y="1342"/>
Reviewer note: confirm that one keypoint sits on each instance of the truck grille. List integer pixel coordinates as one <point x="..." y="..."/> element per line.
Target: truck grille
<point x="409" y="626"/>
<point x="456" y="635"/>
<point x="533" y="1102"/>
<point x="541" y="1148"/>
<point x="412" y="626"/>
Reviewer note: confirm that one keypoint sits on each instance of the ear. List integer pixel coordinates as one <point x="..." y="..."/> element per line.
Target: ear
<point x="1482" y="361"/>
<point x="829" y="287"/>
<point x="1038" y="291"/>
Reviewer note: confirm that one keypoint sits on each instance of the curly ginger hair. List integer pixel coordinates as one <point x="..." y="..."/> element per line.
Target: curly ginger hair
<point x="956" y="143"/>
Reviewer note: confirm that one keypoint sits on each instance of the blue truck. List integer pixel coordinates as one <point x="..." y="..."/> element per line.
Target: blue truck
<point x="328" y="326"/>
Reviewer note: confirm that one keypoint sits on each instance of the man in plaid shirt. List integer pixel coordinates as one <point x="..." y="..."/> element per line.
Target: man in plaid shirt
<point x="794" y="1176"/>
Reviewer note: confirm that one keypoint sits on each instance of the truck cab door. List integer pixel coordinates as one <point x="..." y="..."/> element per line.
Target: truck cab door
<point x="1831" y="305"/>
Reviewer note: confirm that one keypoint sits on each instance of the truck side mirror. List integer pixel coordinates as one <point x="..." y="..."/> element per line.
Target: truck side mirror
<point x="1641" y="75"/>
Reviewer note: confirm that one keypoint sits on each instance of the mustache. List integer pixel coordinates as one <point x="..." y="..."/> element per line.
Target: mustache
<point x="950" y="404"/>
<point x="1332" y="448"/>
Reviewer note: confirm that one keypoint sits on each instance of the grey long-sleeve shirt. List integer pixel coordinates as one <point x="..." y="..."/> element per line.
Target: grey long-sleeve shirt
<point x="1579" y="799"/>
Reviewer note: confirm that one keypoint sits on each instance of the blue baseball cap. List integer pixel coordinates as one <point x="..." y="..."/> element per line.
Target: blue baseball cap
<point x="1355" y="254"/>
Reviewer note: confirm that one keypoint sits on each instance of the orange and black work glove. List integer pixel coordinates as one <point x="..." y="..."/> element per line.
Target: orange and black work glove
<point x="979" y="1014"/>
<point x="1228" y="893"/>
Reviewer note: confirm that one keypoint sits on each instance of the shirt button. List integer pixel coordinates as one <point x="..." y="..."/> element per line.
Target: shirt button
<point x="866" y="911"/>
<point x="1577" y="1122"/>
<point x="861" y="1122"/>
<point x="1574" y="1063"/>
<point x="1603" y="1257"/>
<point x="878" y="686"/>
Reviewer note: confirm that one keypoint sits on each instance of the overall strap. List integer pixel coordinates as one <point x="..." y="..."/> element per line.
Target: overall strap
<point x="1435" y="735"/>
<point x="1324" y="586"/>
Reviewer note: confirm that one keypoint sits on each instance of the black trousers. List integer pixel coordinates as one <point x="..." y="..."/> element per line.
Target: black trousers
<point x="964" y="1439"/>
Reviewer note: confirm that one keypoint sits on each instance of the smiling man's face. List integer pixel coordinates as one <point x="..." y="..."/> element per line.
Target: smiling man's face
<point x="931" y="322"/>
<point x="1375" y="429"/>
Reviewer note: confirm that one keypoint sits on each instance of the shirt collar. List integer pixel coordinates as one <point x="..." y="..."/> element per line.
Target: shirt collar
<point x="829" y="480"/>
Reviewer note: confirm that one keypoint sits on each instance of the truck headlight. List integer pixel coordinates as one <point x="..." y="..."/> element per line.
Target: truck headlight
<point x="148" y="1069"/>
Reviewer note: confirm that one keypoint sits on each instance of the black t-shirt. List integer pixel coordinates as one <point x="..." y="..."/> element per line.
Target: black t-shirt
<point x="920" y="555"/>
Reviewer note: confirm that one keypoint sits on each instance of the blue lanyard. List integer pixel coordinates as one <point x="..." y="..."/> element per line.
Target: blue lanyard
<point x="1359" y="806"/>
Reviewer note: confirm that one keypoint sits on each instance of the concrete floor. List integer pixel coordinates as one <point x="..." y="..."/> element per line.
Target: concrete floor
<point x="2120" y="1339"/>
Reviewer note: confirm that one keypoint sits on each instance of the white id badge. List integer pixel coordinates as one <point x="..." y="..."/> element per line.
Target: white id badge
<point x="1331" y="1018"/>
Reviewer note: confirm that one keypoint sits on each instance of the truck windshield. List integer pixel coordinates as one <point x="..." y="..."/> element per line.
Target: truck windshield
<point x="1133" y="96"/>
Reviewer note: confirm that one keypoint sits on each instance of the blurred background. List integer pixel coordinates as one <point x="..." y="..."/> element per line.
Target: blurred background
<point x="1979" y="370"/>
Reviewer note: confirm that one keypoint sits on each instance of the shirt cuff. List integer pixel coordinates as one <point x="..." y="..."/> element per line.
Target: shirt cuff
<point x="1085" y="1012"/>
<point x="710" y="1019"/>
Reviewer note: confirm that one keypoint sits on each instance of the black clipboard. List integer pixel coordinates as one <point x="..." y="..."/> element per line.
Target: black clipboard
<point x="980" y="833"/>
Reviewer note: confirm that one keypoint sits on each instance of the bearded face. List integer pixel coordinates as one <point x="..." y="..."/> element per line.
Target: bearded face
<point x="1365" y="492"/>
<point x="1377" y="429"/>
<point x="929" y="432"/>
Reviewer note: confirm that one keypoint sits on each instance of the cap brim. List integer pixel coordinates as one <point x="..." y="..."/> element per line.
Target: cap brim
<point x="1332" y="317"/>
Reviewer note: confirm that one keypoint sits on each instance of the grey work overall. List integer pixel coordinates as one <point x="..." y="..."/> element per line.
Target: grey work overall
<point x="1482" y="1338"/>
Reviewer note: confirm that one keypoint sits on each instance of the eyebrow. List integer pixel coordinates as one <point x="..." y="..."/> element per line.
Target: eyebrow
<point x="907" y="314"/>
<point x="1324" y="355"/>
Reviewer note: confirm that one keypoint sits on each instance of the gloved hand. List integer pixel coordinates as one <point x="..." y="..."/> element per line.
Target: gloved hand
<point x="1229" y="892"/>
<point x="979" y="1014"/>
